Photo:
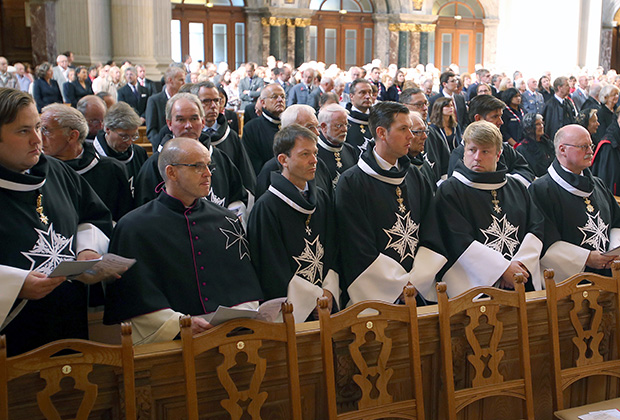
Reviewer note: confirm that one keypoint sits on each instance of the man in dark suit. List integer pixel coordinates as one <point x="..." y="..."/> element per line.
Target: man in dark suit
<point x="326" y="85"/>
<point x="448" y="83"/>
<point x="151" y="86"/>
<point x="559" y="110"/>
<point x="132" y="93"/>
<point x="250" y="87"/>
<point x="156" y="106"/>
<point x="592" y="102"/>
<point x="282" y="75"/>
<point x="299" y="93"/>
<point x="580" y="94"/>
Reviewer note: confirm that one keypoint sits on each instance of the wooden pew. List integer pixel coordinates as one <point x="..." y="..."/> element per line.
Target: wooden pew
<point x="143" y="141"/>
<point x="160" y="383"/>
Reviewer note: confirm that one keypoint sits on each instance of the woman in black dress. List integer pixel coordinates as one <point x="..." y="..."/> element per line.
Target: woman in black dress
<point x="512" y="128"/>
<point x="45" y="90"/>
<point x="544" y="87"/>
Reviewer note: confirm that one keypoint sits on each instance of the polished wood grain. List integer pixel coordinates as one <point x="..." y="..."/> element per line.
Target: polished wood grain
<point x="483" y="333"/>
<point x="585" y="355"/>
<point x="160" y="381"/>
<point x="76" y="361"/>
<point x="368" y="322"/>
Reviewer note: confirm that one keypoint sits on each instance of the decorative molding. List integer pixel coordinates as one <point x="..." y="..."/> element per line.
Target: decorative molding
<point x="280" y="21"/>
<point x="298" y="22"/>
<point x="411" y="27"/>
<point x="273" y="21"/>
<point x="417" y="4"/>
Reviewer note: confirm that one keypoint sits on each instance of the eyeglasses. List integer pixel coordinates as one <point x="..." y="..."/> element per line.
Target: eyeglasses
<point x="312" y="128"/>
<point x="94" y="121"/>
<point x="584" y="147"/>
<point x="339" y="126"/>
<point x="209" y="102"/>
<point x="420" y="104"/>
<point x="127" y="137"/>
<point x="419" y="133"/>
<point x="47" y="131"/>
<point x="199" y="167"/>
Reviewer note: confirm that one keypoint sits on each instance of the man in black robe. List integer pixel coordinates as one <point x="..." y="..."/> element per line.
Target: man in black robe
<point x="359" y="134"/>
<point x="386" y="226"/>
<point x="192" y="255"/>
<point x="291" y="228"/>
<point x="117" y="140"/>
<point x="93" y="108"/>
<point x="258" y="134"/>
<point x="64" y="132"/>
<point x="185" y="118"/>
<point x="416" y="154"/>
<point x="220" y="133"/>
<point x="50" y="215"/>
<point x="489" y="108"/>
<point x="559" y="110"/>
<point x="490" y="227"/>
<point x="606" y="159"/>
<point x="334" y="151"/>
<point x="582" y="217"/>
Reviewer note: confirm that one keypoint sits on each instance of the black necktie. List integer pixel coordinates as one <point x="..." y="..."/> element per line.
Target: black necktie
<point x="393" y="169"/>
<point x="210" y="132"/>
<point x="306" y="194"/>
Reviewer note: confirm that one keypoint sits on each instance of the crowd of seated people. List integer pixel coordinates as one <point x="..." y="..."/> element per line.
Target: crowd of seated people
<point x="349" y="184"/>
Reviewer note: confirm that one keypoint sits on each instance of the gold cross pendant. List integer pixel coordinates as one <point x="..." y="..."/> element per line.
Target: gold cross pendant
<point x="400" y="199"/>
<point x="495" y="202"/>
<point x="42" y="216"/>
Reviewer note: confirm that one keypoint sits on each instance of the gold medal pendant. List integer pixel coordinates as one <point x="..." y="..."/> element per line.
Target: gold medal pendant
<point x="495" y="202"/>
<point x="42" y="216"/>
<point x="338" y="162"/>
<point x="362" y="129"/>
<point x="308" y="229"/>
<point x="589" y="206"/>
<point x="400" y="199"/>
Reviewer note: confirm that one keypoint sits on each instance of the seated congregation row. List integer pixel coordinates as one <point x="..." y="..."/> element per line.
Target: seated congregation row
<point x="345" y="208"/>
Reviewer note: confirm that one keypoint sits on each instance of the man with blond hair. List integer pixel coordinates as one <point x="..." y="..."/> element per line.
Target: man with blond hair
<point x="486" y="216"/>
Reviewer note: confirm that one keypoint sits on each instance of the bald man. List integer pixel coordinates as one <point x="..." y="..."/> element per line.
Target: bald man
<point x="582" y="218"/>
<point x="174" y="276"/>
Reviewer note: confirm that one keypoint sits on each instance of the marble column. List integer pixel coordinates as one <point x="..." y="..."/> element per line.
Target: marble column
<point x="83" y="27"/>
<point x="141" y="33"/>
<point x="254" y="36"/>
<point x="414" y="48"/>
<point x="43" y="31"/>
<point x="490" y="42"/>
<point x="381" y="34"/>
<point x="300" y="45"/>
<point x="275" y="41"/>
<point x="404" y="47"/>
<point x="605" y="49"/>
<point x="423" y="48"/>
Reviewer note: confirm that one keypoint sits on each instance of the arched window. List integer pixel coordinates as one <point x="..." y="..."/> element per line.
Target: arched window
<point x="353" y="6"/>
<point x="209" y="30"/>
<point x="459" y="34"/>
<point x="341" y="32"/>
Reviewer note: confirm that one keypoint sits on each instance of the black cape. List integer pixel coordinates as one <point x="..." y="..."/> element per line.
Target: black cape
<point x="481" y="238"/>
<point x="227" y="189"/>
<point x="337" y="159"/>
<point x="385" y="244"/>
<point x="510" y="159"/>
<point x="133" y="158"/>
<point x="292" y="242"/>
<point x="606" y="163"/>
<point x="572" y="228"/>
<point x="200" y="260"/>
<point x="108" y="177"/>
<point x="258" y="137"/>
<point x="28" y="244"/>
<point x="359" y="134"/>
